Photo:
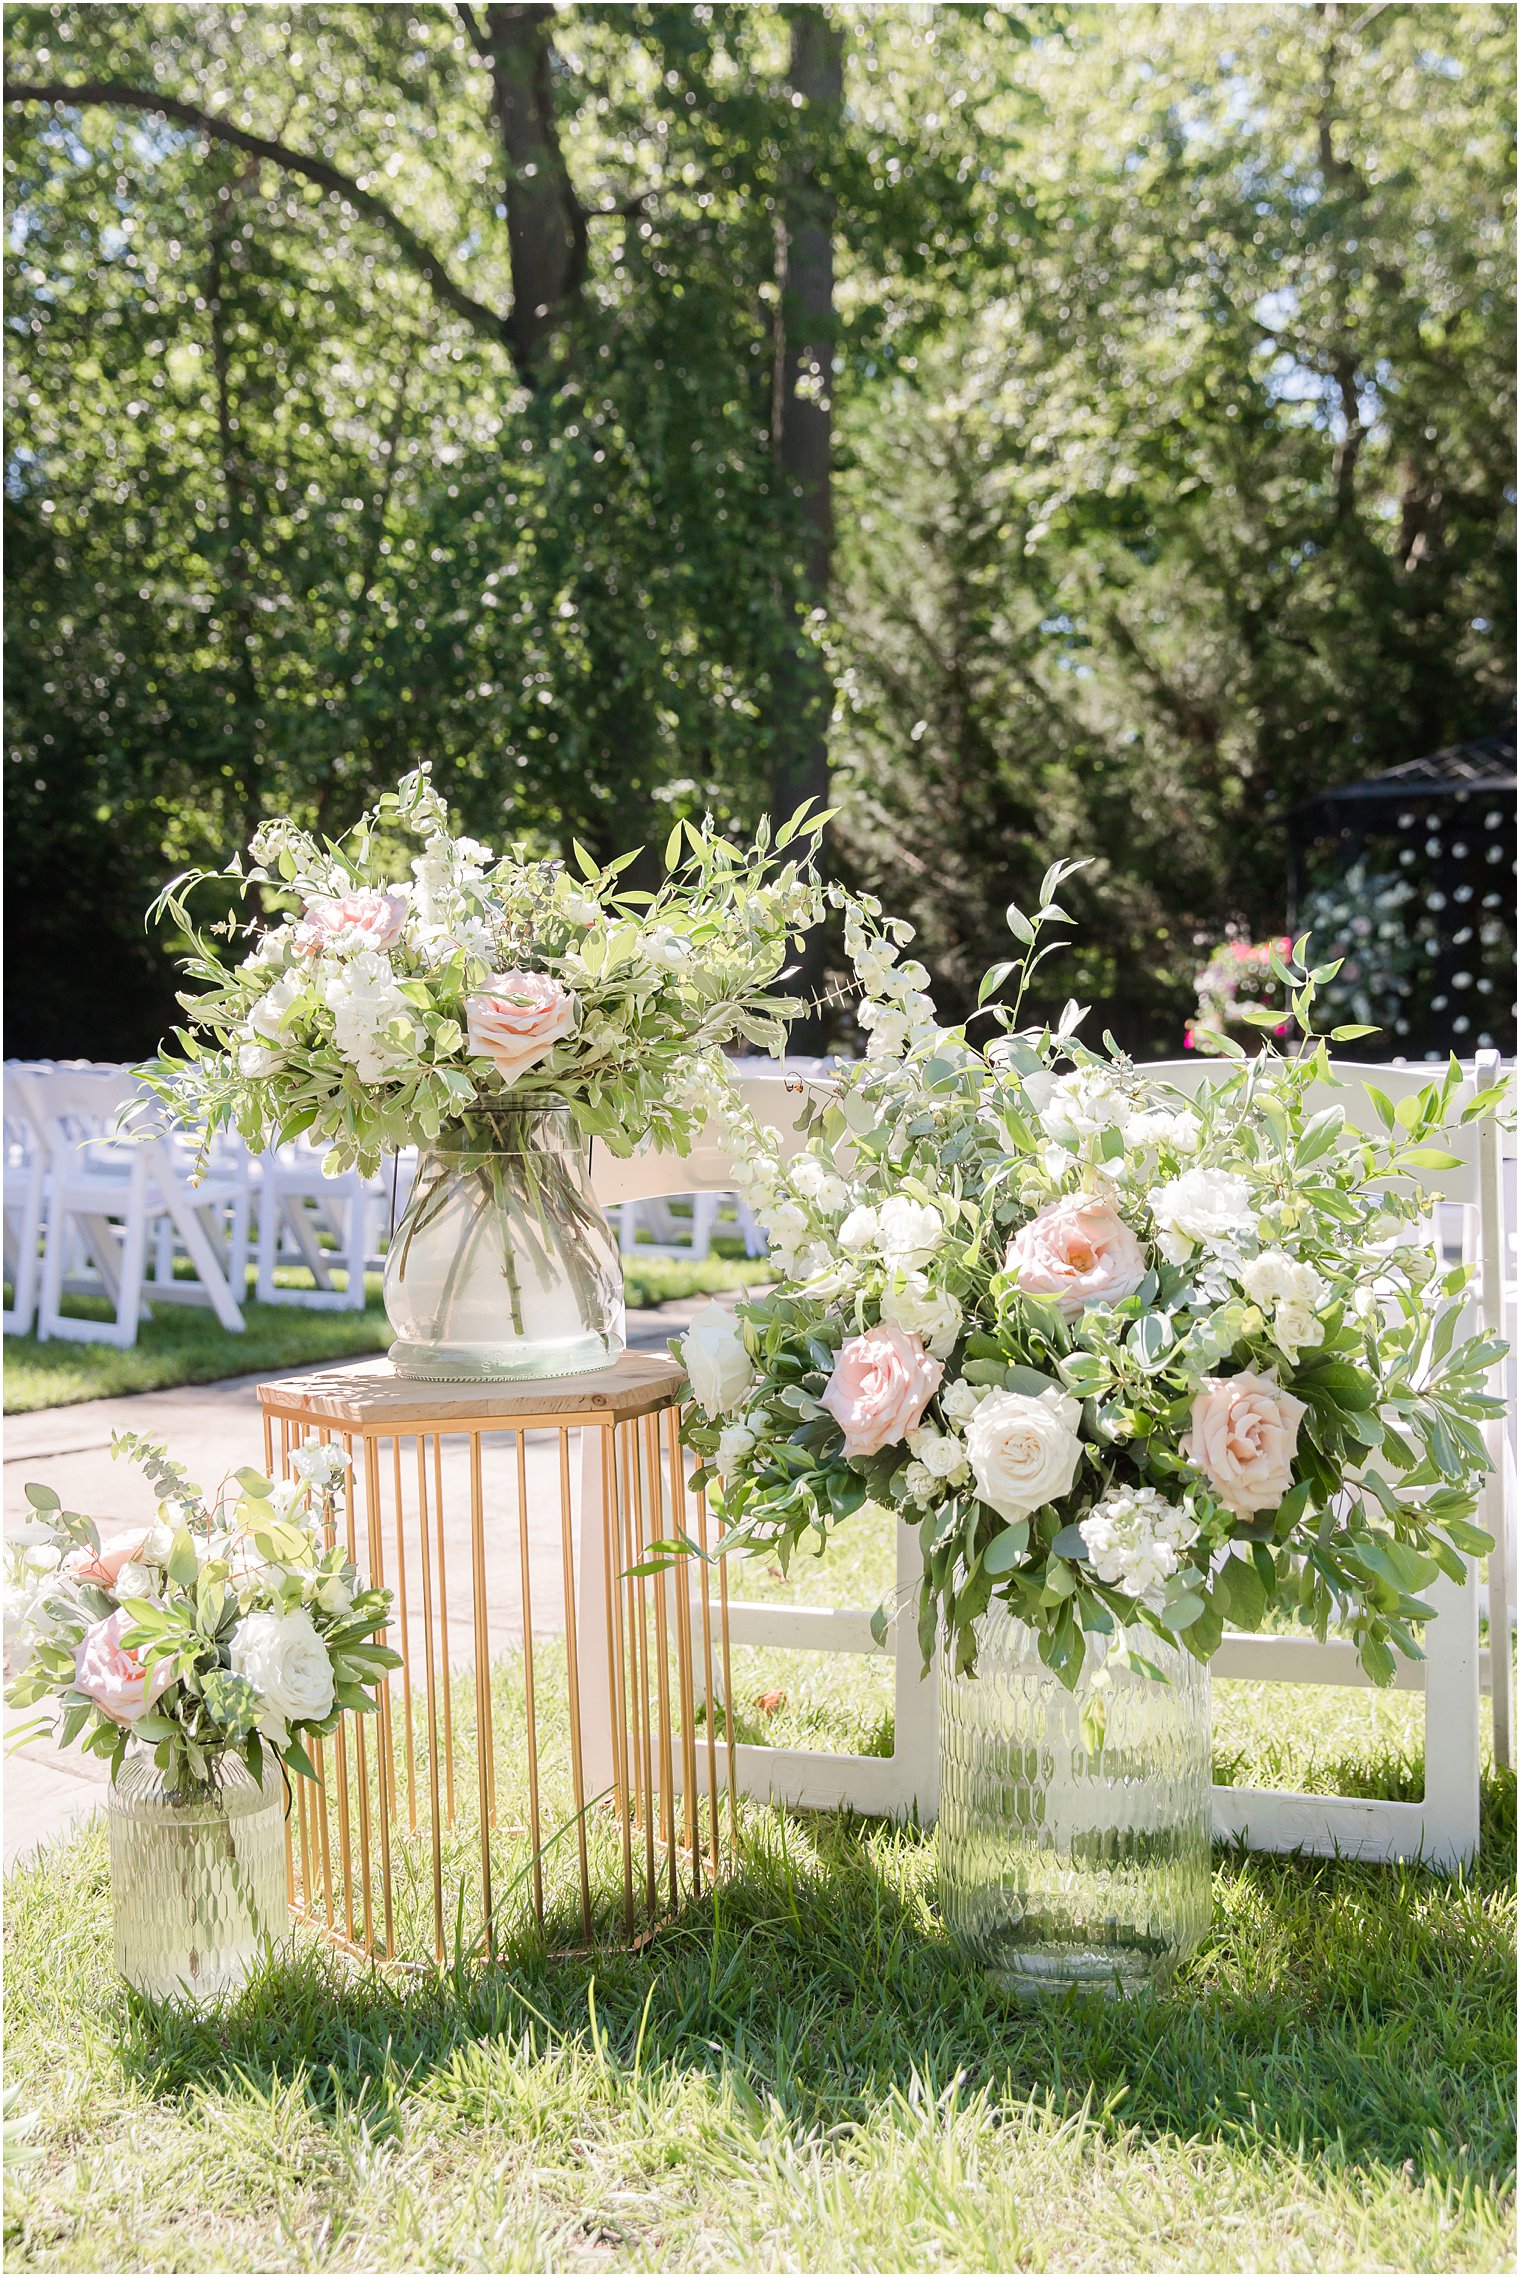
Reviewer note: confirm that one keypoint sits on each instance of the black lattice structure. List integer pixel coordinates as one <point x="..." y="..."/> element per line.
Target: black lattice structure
<point x="1410" y="878"/>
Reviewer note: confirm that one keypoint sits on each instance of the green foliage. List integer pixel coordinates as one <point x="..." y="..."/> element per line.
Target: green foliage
<point x="1201" y="503"/>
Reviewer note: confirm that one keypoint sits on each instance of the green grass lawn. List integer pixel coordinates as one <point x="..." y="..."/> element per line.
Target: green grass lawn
<point x="802" y="2073"/>
<point x="183" y="1344"/>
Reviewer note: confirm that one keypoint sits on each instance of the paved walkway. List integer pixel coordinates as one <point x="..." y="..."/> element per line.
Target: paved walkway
<point x="215" y="1428"/>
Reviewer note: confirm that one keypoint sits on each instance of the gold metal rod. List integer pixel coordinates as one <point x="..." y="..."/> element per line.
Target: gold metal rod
<point x="520" y="1438"/>
<point x="654" y="1504"/>
<point x="384" y="1742"/>
<point x="682" y="1585"/>
<point x="434" y="1829"/>
<point x="319" y="1760"/>
<point x="361" y="1750"/>
<point x="728" y="1696"/>
<point x="617" y="1688"/>
<point x="406" y="1639"/>
<point x="713" y="1818"/>
<point x="636" y="1526"/>
<point x="268" y="1446"/>
<point x="572" y="1671"/>
<point x="626" y="1559"/>
<point x="483" y="1738"/>
<point x="443" y="1629"/>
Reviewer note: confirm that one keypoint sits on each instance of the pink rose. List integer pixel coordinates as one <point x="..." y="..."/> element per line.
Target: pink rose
<point x="1244" y="1438"/>
<point x="101" y="1568"/>
<point x="881" y="1384"/>
<point x="1079" y="1252"/>
<point x="112" y="1676"/>
<point x="366" y="919"/>
<point x="518" y="1018"/>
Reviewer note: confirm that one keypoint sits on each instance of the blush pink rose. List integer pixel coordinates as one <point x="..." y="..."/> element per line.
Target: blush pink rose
<point x="369" y="918"/>
<point x="112" y="1676"/>
<point x="102" y="1567"/>
<point x="518" y="1018"/>
<point x="1244" y="1438"/>
<point x="1078" y="1252"/>
<point x="881" y="1384"/>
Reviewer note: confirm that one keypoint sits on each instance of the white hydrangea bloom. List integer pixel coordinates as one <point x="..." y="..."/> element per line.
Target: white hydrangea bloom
<point x="1290" y="1292"/>
<point x="267" y="1014"/>
<point x="1134" y="1538"/>
<point x="1158" y="1126"/>
<point x="1203" y="1208"/>
<point x="818" y="1183"/>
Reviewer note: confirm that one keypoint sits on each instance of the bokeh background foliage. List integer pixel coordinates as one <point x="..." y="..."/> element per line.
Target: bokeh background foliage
<point x="1051" y="429"/>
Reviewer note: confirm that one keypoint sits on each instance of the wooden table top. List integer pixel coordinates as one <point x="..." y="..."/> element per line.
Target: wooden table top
<point x="374" y="1398"/>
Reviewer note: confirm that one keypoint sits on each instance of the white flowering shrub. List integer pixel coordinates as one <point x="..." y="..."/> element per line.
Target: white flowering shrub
<point x="1120" y="1355"/>
<point x="233" y="1626"/>
<point x="379" y="1012"/>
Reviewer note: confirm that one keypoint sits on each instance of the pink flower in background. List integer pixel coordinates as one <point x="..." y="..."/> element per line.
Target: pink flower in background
<point x="367" y="919"/>
<point x="881" y="1384"/>
<point x="1079" y="1252"/>
<point x="112" y="1676"/>
<point x="101" y="1568"/>
<point x="1244" y="1438"/>
<point x="518" y="1018"/>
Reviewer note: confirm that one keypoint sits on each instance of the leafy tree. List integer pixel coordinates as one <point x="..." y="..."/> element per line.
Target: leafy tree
<point x="1208" y="508"/>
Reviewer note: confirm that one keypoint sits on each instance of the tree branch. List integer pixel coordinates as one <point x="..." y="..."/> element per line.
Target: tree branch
<point x="488" y="322"/>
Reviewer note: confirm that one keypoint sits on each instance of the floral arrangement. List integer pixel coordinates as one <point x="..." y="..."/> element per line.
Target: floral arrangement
<point x="1125" y="1358"/>
<point x="234" y="1627"/>
<point x="379" y="1010"/>
<point x="1241" y="978"/>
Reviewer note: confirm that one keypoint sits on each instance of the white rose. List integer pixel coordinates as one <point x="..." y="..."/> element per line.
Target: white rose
<point x="960" y="1402"/>
<point x="716" y="1361"/>
<point x="735" y="1441"/>
<point x="908" y="1232"/>
<point x="858" y="1233"/>
<point x="942" y="1456"/>
<point x="333" y="1594"/>
<point x="258" y="1060"/>
<point x="286" y="1662"/>
<point x="1201" y="1207"/>
<point x="137" y="1580"/>
<point x="919" y="1483"/>
<point x="1024" y="1450"/>
<point x="932" y="1314"/>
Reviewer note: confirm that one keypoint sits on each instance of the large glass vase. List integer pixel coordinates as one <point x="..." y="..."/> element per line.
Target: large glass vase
<point x="1074" y="1827"/>
<point x="197" y="1876"/>
<point x="504" y="1267"/>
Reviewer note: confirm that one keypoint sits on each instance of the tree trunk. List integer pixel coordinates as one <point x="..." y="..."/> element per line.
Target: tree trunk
<point x="801" y="434"/>
<point x="546" y="227"/>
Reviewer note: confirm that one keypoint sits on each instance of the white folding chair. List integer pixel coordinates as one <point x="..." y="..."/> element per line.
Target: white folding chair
<point x="106" y="1196"/>
<point x="297" y="1207"/>
<point x="25" y="1194"/>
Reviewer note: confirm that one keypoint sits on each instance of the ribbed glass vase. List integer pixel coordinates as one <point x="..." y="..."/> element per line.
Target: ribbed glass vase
<point x="1070" y="1857"/>
<point x="504" y="1266"/>
<point x="197" y="1877"/>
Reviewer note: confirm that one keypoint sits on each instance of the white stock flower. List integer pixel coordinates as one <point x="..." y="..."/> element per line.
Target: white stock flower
<point x="1202" y="1207"/>
<point x="1024" y="1450"/>
<point x="788" y="1228"/>
<point x="820" y="1184"/>
<point x="1134" y="1537"/>
<point x="716" y="1361"/>
<point x="933" y="1314"/>
<point x="318" y="1465"/>
<point x="286" y="1662"/>
<point x="1080" y="1104"/>
<point x="257" y="1060"/>
<point x="1159" y="1126"/>
<point x="364" y="999"/>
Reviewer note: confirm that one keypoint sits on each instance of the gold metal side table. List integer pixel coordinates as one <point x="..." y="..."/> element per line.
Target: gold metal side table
<point x="550" y="1746"/>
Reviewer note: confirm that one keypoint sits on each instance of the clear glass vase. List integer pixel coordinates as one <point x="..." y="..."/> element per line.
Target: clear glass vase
<point x="1074" y="1827"/>
<point x="197" y="1876"/>
<point x="504" y="1266"/>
